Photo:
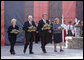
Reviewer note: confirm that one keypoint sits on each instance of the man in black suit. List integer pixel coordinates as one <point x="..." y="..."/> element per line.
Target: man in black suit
<point x="28" y="34"/>
<point x="43" y="33"/>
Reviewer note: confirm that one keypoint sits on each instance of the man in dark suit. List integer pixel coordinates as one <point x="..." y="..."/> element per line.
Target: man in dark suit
<point x="28" y="34"/>
<point x="43" y="33"/>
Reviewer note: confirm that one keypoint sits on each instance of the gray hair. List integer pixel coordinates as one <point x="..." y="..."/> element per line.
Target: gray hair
<point x="44" y="14"/>
<point x="13" y="20"/>
<point x="30" y="16"/>
<point x="56" y="19"/>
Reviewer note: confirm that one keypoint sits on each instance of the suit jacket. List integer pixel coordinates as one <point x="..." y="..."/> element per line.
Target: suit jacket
<point x="27" y="24"/>
<point x="10" y="29"/>
<point x="41" y="24"/>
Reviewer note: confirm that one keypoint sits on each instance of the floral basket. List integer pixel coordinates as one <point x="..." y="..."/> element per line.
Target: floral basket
<point x="15" y="31"/>
<point x="60" y="28"/>
<point x="32" y="29"/>
<point x="47" y="26"/>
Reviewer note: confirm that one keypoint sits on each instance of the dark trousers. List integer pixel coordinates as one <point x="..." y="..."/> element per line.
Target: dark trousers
<point x="50" y="37"/>
<point x="69" y="33"/>
<point x="29" y="41"/>
<point x="37" y="37"/>
<point x="12" y="43"/>
<point x="44" y="39"/>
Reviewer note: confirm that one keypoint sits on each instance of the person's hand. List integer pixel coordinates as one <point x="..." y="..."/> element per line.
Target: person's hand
<point x="58" y="29"/>
<point x="49" y="31"/>
<point x="43" y="29"/>
<point x="29" y="31"/>
<point x="36" y="31"/>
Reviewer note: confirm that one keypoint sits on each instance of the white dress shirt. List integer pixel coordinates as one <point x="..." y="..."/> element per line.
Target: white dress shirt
<point x="71" y="28"/>
<point x="30" y="22"/>
<point x="65" y="27"/>
<point x="44" y="21"/>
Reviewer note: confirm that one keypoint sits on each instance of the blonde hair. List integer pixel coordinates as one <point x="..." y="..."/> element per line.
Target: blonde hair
<point x="56" y="19"/>
<point x="13" y="20"/>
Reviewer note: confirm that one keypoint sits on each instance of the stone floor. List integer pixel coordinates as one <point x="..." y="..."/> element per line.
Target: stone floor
<point x="38" y="54"/>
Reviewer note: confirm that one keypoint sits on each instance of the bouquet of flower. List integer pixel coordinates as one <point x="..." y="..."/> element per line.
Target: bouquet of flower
<point x="47" y="26"/>
<point x="60" y="28"/>
<point x="32" y="28"/>
<point x="15" y="31"/>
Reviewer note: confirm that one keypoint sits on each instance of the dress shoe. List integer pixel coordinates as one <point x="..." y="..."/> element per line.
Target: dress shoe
<point x="24" y="51"/>
<point x="55" y="50"/>
<point x="61" y="50"/>
<point x="31" y="52"/>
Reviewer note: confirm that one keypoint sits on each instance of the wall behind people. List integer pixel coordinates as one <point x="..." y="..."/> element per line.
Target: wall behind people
<point x="2" y="23"/>
<point x="55" y="10"/>
<point x="79" y="10"/>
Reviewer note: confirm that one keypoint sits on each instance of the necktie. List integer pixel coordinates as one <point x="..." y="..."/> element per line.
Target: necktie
<point x="30" y="23"/>
<point x="44" y="21"/>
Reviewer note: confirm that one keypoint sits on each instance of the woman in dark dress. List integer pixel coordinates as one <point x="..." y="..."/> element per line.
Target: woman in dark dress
<point x="12" y="36"/>
<point x="57" y="34"/>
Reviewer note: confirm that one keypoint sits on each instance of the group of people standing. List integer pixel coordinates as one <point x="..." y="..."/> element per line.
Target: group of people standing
<point x="45" y="34"/>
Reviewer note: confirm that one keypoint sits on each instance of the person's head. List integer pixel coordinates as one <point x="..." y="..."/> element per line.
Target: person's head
<point x="50" y="21"/>
<point x="13" y="21"/>
<point x="64" y="21"/>
<point x="74" y="23"/>
<point x="30" y="17"/>
<point x="70" y="22"/>
<point x="44" y="16"/>
<point x="56" y="20"/>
